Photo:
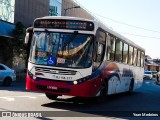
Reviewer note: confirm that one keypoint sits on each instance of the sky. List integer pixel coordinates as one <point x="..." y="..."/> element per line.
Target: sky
<point x="138" y="20"/>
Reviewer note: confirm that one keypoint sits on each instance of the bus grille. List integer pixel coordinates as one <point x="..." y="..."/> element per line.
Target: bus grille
<point x="55" y="71"/>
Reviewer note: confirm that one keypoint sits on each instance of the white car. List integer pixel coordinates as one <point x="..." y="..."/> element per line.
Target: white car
<point x="7" y="75"/>
<point x="148" y="75"/>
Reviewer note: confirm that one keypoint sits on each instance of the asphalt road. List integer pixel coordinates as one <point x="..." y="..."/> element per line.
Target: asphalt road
<point x="144" y="101"/>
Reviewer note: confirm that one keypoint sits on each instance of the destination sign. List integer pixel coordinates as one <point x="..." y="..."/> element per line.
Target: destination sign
<point x="64" y="24"/>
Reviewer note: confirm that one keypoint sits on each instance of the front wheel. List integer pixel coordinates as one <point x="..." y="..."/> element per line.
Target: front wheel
<point x="51" y="97"/>
<point x="7" y="81"/>
<point x="102" y="95"/>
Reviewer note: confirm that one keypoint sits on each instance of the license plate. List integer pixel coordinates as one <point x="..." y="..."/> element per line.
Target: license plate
<point x="52" y="87"/>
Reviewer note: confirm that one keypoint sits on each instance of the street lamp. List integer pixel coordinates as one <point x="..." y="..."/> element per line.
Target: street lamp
<point x="65" y="10"/>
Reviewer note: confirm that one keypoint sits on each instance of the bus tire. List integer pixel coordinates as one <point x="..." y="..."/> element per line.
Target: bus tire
<point x="51" y="97"/>
<point x="7" y="81"/>
<point x="130" y="90"/>
<point x="103" y="93"/>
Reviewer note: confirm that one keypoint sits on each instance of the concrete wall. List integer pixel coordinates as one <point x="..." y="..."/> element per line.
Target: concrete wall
<point x="27" y="10"/>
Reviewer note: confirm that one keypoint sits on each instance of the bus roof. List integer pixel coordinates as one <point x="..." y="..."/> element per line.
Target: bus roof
<point x="101" y="25"/>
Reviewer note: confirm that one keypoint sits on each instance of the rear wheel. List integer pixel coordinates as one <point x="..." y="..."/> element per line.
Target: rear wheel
<point x="130" y="90"/>
<point x="51" y="97"/>
<point x="7" y="81"/>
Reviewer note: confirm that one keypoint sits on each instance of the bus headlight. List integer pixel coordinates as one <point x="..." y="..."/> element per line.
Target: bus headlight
<point x="75" y="82"/>
<point x="30" y="74"/>
<point x="79" y="81"/>
<point x="34" y="77"/>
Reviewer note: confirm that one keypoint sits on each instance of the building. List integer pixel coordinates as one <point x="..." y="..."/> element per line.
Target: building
<point x="151" y="64"/>
<point x="6" y="18"/>
<point x="75" y="12"/>
<point x="7" y="10"/>
<point x="6" y="27"/>
<point x="27" y="10"/>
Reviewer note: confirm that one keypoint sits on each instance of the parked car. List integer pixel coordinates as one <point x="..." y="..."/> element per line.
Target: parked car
<point x="7" y="75"/>
<point x="148" y="75"/>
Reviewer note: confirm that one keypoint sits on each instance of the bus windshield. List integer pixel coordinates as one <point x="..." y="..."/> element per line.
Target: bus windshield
<point x="62" y="49"/>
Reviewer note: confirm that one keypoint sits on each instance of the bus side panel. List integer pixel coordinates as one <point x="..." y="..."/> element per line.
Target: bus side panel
<point x="119" y="77"/>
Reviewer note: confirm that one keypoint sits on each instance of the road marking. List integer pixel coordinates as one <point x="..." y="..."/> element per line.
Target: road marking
<point x="7" y="98"/>
<point x="12" y="98"/>
<point x="31" y="97"/>
<point x="147" y="82"/>
<point x="42" y="95"/>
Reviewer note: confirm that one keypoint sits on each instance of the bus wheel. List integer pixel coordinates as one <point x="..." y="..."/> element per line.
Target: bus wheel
<point x="102" y="96"/>
<point x="130" y="90"/>
<point x="51" y="97"/>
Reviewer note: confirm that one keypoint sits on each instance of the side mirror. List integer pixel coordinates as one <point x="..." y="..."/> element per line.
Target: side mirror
<point x="26" y="38"/>
<point x="29" y="33"/>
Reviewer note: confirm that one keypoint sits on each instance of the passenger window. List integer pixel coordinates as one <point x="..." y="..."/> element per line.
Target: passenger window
<point x="125" y="53"/>
<point x="142" y="59"/>
<point x="100" y="52"/>
<point x="135" y="57"/>
<point x="101" y="37"/>
<point x="118" y="56"/>
<point x="139" y="59"/>
<point x="111" y="47"/>
<point x="130" y="58"/>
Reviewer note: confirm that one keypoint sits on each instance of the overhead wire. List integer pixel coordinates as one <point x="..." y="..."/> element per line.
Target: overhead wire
<point x="137" y="27"/>
<point x="128" y="24"/>
<point x="140" y="35"/>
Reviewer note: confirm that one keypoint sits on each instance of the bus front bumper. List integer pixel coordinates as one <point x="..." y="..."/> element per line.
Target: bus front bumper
<point x="86" y="89"/>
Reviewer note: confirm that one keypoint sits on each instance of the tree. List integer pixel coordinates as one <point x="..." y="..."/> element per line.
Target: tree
<point x="19" y="48"/>
<point x="18" y="40"/>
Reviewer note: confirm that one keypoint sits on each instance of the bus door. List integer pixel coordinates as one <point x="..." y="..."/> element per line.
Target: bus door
<point x="99" y="48"/>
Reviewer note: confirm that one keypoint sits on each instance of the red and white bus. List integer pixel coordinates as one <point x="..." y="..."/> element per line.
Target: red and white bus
<point x="80" y="57"/>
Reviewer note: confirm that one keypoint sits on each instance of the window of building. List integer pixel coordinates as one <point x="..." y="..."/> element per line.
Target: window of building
<point x="130" y="57"/>
<point x="7" y="10"/>
<point x="118" y="55"/>
<point x="55" y="7"/>
<point x="125" y="53"/>
<point x="135" y="57"/>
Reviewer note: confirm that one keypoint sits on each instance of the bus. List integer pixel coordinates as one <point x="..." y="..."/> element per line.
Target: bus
<point x="82" y="58"/>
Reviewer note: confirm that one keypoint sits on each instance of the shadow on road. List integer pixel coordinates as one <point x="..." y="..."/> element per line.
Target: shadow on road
<point x="79" y="107"/>
<point x="145" y="99"/>
<point x="15" y="86"/>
